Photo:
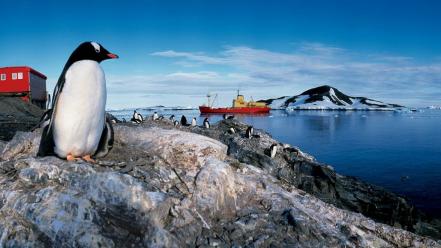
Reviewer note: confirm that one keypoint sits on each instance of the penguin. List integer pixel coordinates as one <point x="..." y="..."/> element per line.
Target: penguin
<point x="161" y="117"/>
<point x="155" y="116"/>
<point x="172" y="118"/>
<point x="137" y="117"/>
<point x="232" y="130"/>
<point x="193" y="122"/>
<point x="206" y="123"/>
<point x="249" y="132"/>
<point x="78" y="126"/>
<point x="183" y="121"/>
<point x="175" y="123"/>
<point x="273" y="150"/>
<point x="224" y="116"/>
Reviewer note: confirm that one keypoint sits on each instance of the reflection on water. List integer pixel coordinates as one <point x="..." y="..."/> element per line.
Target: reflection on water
<point x="398" y="151"/>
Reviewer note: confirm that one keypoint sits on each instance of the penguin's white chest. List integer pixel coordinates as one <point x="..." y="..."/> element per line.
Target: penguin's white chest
<point x="80" y="114"/>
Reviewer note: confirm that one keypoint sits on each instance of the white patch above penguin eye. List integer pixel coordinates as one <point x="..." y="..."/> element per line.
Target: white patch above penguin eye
<point x="96" y="46"/>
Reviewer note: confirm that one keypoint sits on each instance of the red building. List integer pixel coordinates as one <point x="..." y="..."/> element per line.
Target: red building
<point x="24" y="82"/>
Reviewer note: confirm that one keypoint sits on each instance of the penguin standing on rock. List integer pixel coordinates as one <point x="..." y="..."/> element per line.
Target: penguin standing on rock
<point x="232" y="130"/>
<point x="172" y="118"/>
<point x="184" y="121"/>
<point x="206" y="123"/>
<point x="155" y="116"/>
<point x="249" y="132"/>
<point x="137" y="117"/>
<point x="273" y="150"/>
<point x="175" y="123"/>
<point x="77" y="126"/>
<point x="193" y="122"/>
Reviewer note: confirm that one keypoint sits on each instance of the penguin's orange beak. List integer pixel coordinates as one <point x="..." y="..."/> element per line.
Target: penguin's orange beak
<point x="112" y="56"/>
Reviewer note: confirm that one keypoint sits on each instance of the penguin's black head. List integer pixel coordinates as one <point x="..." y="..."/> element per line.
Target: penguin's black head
<point x="91" y="51"/>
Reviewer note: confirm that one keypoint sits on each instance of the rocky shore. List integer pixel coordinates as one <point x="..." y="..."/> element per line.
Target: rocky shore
<point x="17" y="115"/>
<point x="166" y="186"/>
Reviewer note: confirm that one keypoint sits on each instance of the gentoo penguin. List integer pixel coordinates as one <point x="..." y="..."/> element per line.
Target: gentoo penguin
<point x="184" y="121"/>
<point x="249" y="132"/>
<point x="206" y="123"/>
<point x="172" y="118"/>
<point x="193" y="122"/>
<point x="232" y="130"/>
<point x="273" y="150"/>
<point x="175" y="123"/>
<point x="137" y="117"/>
<point x="155" y="116"/>
<point x="78" y="127"/>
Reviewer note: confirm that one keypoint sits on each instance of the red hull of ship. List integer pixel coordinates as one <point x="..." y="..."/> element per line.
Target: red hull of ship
<point x="243" y="110"/>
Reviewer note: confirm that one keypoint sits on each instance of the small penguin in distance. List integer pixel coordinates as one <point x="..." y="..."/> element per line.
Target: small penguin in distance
<point x="137" y="117"/>
<point x="193" y="122"/>
<point x="77" y="126"/>
<point x="231" y="130"/>
<point x="249" y="132"/>
<point x="175" y="123"/>
<point x="273" y="150"/>
<point x="155" y="116"/>
<point x="172" y="118"/>
<point x="184" y="121"/>
<point x="206" y="123"/>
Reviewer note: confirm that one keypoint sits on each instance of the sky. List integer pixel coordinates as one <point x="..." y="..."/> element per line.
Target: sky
<point x="174" y="53"/>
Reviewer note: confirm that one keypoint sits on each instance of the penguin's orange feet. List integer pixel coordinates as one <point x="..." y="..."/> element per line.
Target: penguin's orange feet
<point x="71" y="158"/>
<point x="87" y="158"/>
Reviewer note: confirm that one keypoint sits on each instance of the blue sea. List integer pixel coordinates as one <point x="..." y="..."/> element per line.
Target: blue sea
<point x="399" y="151"/>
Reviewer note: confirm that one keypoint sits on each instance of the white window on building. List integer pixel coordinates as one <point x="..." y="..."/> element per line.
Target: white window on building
<point x="14" y="76"/>
<point x="3" y="77"/>
<point x="20" y="75"/>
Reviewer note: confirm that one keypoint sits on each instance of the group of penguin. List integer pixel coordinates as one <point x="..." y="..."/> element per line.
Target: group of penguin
<point x="67" y="130"/>
<point x="138" y="118"/>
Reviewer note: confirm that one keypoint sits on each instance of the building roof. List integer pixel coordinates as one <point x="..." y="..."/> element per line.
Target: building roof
<point x="26" y="68"/>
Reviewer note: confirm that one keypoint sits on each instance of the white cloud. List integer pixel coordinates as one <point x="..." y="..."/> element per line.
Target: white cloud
<point x="264" y="73"/>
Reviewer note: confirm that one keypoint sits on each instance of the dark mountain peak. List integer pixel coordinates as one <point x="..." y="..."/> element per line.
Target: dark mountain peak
<point x="318" y="90"/>
<point x="337" y="97"/>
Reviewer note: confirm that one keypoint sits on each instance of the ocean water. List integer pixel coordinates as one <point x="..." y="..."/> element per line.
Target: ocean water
<point x="399" y="151"/>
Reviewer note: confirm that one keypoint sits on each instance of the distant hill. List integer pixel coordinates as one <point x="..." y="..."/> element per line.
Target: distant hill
<point x="328" y="98"/>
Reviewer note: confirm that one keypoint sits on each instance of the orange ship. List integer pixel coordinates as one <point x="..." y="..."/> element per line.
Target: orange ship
<point x="240" y="106"/>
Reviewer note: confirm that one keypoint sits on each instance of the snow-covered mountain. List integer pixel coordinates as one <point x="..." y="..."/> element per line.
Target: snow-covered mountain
<point x="328" y="98"/>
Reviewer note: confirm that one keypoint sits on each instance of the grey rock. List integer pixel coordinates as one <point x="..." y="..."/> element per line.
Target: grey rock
<point x="181" y="190"/>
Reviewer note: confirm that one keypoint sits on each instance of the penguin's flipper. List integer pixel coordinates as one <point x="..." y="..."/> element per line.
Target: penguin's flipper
<point x="106" y="140"/>
<point x="47" y="141"/>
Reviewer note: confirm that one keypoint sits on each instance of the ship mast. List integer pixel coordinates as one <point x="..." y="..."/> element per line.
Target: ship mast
<point x="212" y="102"/>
